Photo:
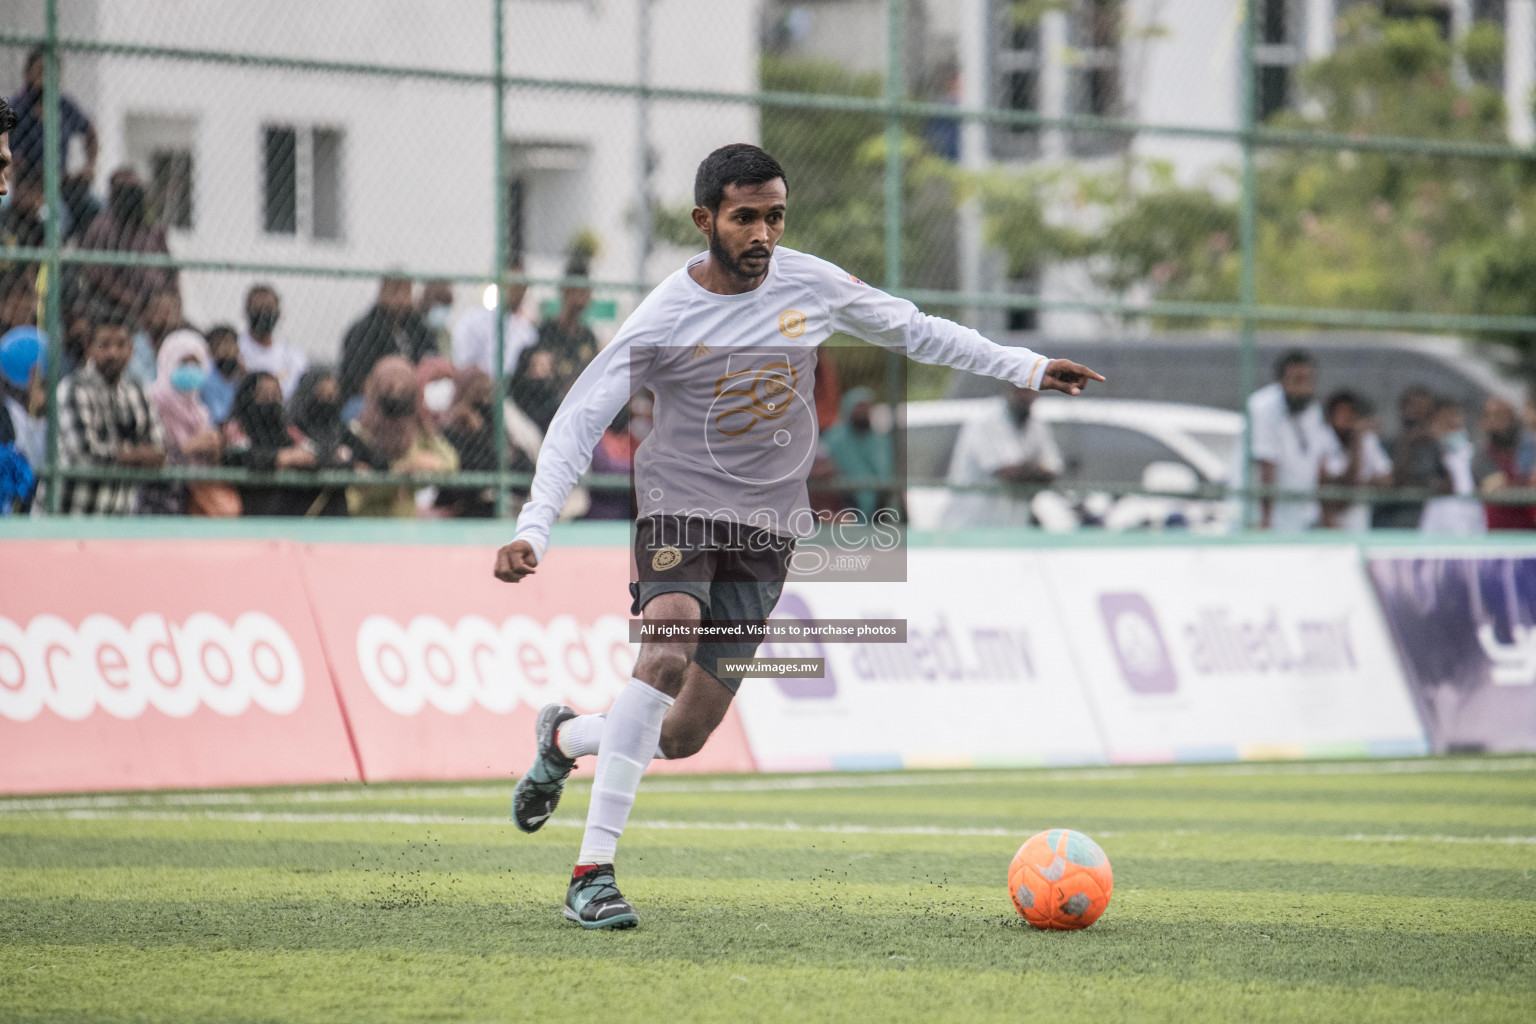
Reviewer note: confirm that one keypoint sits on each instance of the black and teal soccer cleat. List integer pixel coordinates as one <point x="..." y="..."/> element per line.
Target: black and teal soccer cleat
<point x="594" y="901"/>
<point x="538" y="791"/>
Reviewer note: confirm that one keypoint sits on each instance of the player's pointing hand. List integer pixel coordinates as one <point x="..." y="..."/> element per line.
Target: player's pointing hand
<point x="1065" y="375"/>
<point x="515" y="560"/>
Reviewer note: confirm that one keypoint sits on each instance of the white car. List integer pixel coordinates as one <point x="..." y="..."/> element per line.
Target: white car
<point x="1159" y="446"/>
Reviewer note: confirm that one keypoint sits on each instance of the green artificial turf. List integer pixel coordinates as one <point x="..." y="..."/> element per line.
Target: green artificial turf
<point x="1351" y="892"/>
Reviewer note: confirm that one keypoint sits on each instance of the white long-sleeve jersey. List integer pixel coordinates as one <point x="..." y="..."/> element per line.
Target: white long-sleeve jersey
<point x="735" y="421"/>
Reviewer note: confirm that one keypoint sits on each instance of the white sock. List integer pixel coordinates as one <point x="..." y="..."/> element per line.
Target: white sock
<point x="582" y="736"/>
<point x="628" y="744"/>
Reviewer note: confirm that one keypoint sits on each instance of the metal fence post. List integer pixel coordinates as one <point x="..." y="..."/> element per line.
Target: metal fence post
<point x="1248" y="243"/>
<point x="895" y="93"/>
<point x="502" y="261"/>
<point x="53" y="320"/>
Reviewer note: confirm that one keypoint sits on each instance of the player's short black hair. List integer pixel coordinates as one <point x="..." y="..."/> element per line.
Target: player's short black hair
<point x="1293" y="357"/>
<point x="8" y="117"/>
<point x="740" y="163"/>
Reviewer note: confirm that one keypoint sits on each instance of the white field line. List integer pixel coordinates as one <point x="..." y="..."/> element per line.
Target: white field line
<point x="779" y="784"/>
<point x="387" y="818"/>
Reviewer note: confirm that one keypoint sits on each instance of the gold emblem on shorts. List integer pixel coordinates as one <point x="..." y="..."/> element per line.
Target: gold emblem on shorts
<point x="665" y="558"/>
<point x="791" y="323"/>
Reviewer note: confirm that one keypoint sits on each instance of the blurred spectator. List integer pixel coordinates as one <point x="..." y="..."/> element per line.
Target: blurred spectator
<point x="397" y="432"/>
<point x="565" y="336"/>
<point x="857" y="450"/>
<point x="390" y="327"/>
<point x="1291" y="441"/>
<point x="1496" y="467"/>
<point x="828" y="392"/>
<point x="162" y="315"/>
<point x="1416" y="460"/>
<point x="260" y="351"/>
<point x="535" y="388"/>
<point x="471" y="429"/>
<point x="1458" y="512"/>
<point x="23" y="412"/>
<point x="105" y="420"/>
<point x="1003" y="443"/>
<point x="614" y="455"/>
<point x="27" y="140"/>
<point x="190" y="436"/>
<point x="474" y="336"/>
<point x="18" y="299"/>
<point x="225" y="373"/>
<point x="260" y="437"/>
<point x="435" y="310"/>
<point x="434" y="376"/>
<point x="21" y="220"/>
<point x="316" y="410"/>
<point x="123" y="226"/>
<point x="1358" y="460"/>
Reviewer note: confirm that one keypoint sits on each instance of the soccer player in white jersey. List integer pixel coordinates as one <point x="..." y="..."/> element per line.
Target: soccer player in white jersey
<point x="728" y="346"/>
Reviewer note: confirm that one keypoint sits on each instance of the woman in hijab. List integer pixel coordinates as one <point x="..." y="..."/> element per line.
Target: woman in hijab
<point x="190" y="436"/>
<point x="260" y="438"/>
<point x="857" y="449"/>
<point x="315" y="410"/>
<point x="397" y="430"/>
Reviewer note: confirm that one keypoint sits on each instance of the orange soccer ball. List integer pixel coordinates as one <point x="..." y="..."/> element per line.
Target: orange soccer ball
<point x="1060" y="879"/>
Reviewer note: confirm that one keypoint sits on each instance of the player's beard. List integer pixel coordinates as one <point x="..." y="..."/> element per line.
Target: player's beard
<point x="729" y="262"/>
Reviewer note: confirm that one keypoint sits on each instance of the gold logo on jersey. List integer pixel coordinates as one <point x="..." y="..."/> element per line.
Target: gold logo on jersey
<point x="665" y="558"/>
<point x="759" y="394"/>
<point x="791" y="323"/>
<point x="700" y="349"/>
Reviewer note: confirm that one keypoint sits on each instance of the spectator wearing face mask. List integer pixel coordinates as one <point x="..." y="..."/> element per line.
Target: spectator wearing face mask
<point x="1458" y="512"/>
<point x="224" y="372"/>
<point x="315" y="410"/>
<point x="1496" y="466"/>
<point x="390" y="328"/>
<point x="260" y="437"/>
<point x="470" y="427"/>
<point x="1291" y="442"/>
<point x="191" y="439"/>
<point x="105" y="419"/>
<point x="162" y="315"/>
<point x="435" y="311"/>
<point x="857" y="450"/>
<point x="1002" y="444"/>
<point x="1416" y="459"/>
<point x="1358" y="460"/>
<point x="124" y="226"/>
<point x="398" y="432"/>
<point x="260" y="349"/>
<point x="434" y="376"/>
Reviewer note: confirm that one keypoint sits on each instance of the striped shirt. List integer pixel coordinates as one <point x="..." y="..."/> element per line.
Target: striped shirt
<point x="95" y="419"/>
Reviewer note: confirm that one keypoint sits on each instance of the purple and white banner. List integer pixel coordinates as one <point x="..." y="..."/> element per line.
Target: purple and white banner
<point x="1231" y="653"/>
<point x="1466" y="628"/>
<point x="1121" y="655"/>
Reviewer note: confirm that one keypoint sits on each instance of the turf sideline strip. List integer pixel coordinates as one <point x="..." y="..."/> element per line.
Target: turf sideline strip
<point x="357" y="794"/>
<point x="271" y="817"/>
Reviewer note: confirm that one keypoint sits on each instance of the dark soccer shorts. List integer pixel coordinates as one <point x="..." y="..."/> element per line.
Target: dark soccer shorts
<point x="735" y="572"/>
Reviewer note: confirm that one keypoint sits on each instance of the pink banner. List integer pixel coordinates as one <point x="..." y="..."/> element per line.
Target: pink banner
<point x="442" y="668"/>
<point x="158" y="664"/>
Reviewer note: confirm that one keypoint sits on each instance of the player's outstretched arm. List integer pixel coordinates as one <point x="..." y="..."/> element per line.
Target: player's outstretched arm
<point x="1065" y="375"/>
<point x="515" y="560"/>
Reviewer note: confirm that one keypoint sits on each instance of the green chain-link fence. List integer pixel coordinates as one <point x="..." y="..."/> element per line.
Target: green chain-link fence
<point x="1082" y="176"/>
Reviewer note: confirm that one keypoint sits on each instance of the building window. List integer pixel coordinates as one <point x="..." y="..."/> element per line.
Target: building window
<point x="1093" y="77"/>
<point x="161" y="148"/>
<point x="1017" y="62"/>
<point x="1276" y="56"/>
<point x="304" y="186"/>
